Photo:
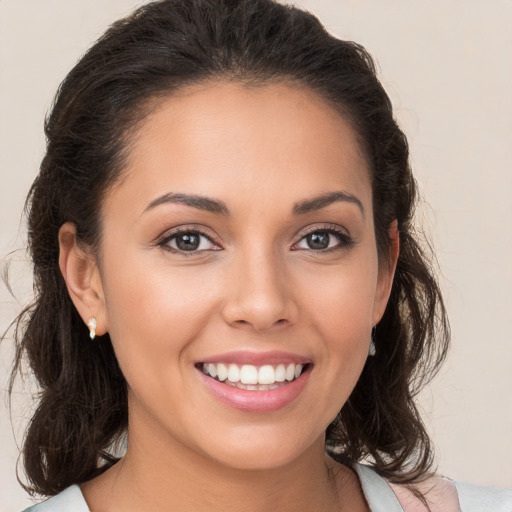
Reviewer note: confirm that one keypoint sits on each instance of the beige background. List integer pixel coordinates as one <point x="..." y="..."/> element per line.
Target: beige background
<point x="447" y="68"/>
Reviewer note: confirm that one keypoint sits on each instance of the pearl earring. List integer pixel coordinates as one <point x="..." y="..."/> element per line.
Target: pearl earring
<point x="92" y="327"/>
<point x="372" y="350"/>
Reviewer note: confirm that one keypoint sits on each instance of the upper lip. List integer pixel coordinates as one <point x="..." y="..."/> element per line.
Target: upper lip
<point x="241" y="357"/>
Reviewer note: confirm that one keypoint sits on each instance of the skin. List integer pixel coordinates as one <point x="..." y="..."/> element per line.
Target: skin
<point x="256" y="286"/>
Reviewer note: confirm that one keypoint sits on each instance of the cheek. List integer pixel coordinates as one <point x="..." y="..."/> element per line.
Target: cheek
<point x="341" y="299"/>
<point x="340" y="307"/>
<point x="153" y="314"/>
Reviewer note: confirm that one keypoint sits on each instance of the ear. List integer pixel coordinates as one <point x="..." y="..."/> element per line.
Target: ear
<point x="82" y="277"/>
<point x="386" y="273"/>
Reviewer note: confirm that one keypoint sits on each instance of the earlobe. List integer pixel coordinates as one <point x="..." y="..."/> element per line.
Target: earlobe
<point x="387" y="273"/>
<point x="81" y="274"/>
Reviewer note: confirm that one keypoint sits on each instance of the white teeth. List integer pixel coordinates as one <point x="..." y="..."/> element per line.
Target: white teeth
<point x="248" y="374"/>
<point x="252" y="387"/>
<point x="233" y="373"/>
<point x="222" y="372"/>
<point x="212" y="370"/>
<point x="266" y="375"/>
<point x="280" y="373"/>
<point x="252" y="377"/>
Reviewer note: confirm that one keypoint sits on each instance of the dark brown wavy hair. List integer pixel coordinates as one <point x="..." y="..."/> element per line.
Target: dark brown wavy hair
<point x="164" y="46"/>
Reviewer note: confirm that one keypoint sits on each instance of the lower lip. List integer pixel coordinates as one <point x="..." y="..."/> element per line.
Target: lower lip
<point x="256" y="401"/>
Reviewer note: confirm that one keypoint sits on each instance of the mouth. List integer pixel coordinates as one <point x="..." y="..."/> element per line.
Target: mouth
<point x="250" y="377"/>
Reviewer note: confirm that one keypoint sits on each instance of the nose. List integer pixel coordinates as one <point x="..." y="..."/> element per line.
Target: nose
<point x="259" y="295"/>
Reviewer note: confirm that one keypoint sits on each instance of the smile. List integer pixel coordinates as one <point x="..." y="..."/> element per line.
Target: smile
<point x="255" y="382"/>
<point x="251" y="377"/>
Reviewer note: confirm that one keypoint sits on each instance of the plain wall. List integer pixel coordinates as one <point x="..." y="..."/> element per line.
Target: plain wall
<point x="446" y="66"/>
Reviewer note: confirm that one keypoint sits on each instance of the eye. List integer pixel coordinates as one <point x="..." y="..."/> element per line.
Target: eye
<point x="187" y="241"/>
<point x="325" y="239"/>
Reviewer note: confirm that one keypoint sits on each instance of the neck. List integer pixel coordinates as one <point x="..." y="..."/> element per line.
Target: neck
<point x="198" y="484"/>
<point x="159" y="473"/>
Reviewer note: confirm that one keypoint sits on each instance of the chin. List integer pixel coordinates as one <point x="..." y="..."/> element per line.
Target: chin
<point x="257" y="450"/>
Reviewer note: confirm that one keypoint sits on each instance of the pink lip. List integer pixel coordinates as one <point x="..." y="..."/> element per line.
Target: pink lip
<point x="256" y="401"/>
<point x="256" y="358"/>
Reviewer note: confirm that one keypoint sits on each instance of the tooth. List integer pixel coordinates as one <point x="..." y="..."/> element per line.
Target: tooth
<point x="266" y="375"/>
<point x="280" y="374"/>
<point x="212" y="370"/>
<point x="290" y="372"/>
<point x="233" y="373"/>
<point x="222" y="372"/>
<point x="249" y="374"/>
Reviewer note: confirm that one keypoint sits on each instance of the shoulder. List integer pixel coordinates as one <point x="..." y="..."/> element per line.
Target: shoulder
<point x="440" y="494"/>
<point x="446" y="495"/>
<point x="475" y="498"/>
<point x="69" y="499"/>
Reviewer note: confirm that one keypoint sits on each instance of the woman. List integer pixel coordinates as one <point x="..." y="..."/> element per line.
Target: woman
<point x="227" y="271"/>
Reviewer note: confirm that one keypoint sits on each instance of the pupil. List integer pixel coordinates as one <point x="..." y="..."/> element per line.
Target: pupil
<point x="187" y="242"/>
<point x="318" y="240"/>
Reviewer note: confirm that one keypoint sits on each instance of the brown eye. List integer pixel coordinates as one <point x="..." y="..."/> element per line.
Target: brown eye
<point x="188" y="241"/>
<point x="318" y="240"/>
<point x="325" y="240"/>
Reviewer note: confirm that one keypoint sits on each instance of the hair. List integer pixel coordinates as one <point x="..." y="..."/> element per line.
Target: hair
<point x="161" y="47"/>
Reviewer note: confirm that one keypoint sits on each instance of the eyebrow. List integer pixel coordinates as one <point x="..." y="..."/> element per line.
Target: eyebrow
<point x="218" y="207"/>
<point x="323" y="200"/>
<point x="195" y="201"/>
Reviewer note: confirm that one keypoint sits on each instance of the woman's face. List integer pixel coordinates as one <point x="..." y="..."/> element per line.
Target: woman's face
<point x="238" y="251"/>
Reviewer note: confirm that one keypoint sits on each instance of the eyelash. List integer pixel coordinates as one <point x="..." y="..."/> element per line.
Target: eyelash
<point x="174" y="234"/>
<point x="345" y="241"/>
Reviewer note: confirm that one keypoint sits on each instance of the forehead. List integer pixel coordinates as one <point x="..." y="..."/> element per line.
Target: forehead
<point x="225" y="139"/>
